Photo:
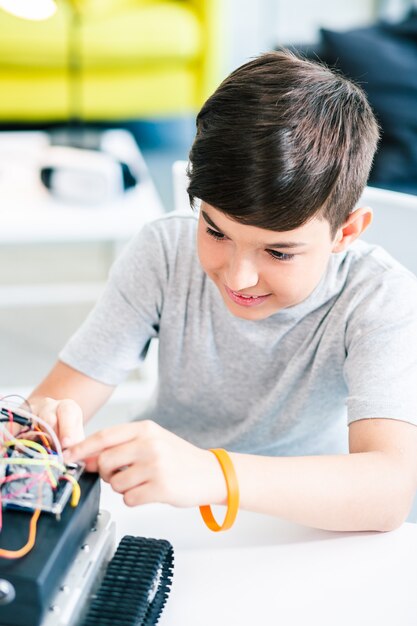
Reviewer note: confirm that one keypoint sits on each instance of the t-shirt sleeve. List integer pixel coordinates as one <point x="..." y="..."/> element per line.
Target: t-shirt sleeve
<point x="381" y="352"/>
<point x="115" y="336"/>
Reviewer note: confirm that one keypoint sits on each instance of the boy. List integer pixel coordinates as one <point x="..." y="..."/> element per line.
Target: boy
<point x="276" y="328"/>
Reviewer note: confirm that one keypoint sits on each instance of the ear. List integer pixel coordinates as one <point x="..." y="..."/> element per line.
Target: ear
<point x="356" y="223"/>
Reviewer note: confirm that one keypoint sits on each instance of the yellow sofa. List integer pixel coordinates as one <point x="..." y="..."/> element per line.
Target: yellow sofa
<point x="139" y="59"/>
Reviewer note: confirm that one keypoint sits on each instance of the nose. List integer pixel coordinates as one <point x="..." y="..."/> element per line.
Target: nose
<point x="241" y="273"/>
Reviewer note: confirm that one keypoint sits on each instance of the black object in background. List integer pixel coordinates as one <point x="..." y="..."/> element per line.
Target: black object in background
<point x="382" y="59"/>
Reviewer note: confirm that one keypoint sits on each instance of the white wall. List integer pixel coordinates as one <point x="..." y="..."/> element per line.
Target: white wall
<point x="299" y="20"/>
<point x="254" y="26"/>
<point x="249" y="28"/>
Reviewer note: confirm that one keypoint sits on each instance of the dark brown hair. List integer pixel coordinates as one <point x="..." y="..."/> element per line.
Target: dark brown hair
<point x="281" y="140"/>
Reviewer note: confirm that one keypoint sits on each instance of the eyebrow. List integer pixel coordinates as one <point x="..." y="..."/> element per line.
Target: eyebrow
<point x="280" y="244"/>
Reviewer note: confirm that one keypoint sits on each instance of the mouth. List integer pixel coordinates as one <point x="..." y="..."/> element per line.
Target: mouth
<point x="246" y="299"/>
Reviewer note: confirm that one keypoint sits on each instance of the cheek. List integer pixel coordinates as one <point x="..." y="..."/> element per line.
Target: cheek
<point x="208" y="254"/>
<point x="282" y="280"/>
<point x="304" y="278"/>
<point x="292" y="282"/>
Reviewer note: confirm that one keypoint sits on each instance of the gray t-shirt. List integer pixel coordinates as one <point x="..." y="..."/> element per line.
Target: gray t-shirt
<point x="286" y="385"/>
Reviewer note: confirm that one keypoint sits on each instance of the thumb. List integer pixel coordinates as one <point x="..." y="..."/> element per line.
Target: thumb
<point x="70" y="425"/>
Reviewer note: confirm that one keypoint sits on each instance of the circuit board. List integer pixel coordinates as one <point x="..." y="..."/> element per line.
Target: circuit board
<point x="33" y="474"/>
<point x="30" y="492"/>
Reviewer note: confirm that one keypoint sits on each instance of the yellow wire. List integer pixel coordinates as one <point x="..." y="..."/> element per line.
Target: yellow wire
<point x="36" y="446"/>
<point x="49" y="461"/>
<point x="76" y="491"/>
<point x="29" y="444"/>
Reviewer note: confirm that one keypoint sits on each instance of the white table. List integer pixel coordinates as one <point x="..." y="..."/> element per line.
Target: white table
<point x="269" y="572"/>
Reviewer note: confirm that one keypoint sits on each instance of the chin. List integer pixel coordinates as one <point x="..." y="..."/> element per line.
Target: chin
<point x="252" y="314"/>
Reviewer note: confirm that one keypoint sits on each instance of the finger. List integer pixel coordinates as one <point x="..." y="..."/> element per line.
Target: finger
<point x="103" y="439"/>
<point x="47" y="412"/>
<point x="70" y="423"/>
<point x="119" y="457"/>
<point x="91" y="465"/>
<point x="143" y="494"/>
<point x="129" y="478"/>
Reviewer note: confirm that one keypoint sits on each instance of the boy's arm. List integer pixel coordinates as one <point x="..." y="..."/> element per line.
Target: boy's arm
<point x="371" y="488"/>
<point x="66" y="399"/>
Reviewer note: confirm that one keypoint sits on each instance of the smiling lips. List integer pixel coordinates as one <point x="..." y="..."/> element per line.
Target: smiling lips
<point x="245" y="300"/>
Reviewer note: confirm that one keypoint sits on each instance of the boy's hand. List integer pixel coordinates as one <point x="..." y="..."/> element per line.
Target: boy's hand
<point x="64" y="416"/>
<point x="147" y="463"/>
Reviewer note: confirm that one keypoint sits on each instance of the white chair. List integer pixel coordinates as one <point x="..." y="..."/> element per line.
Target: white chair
<point x="394" y="226"/>
<point x="180" y="184"/>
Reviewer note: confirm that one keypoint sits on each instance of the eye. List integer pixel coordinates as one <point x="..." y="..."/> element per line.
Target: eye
<point x="215" y="234"/>
<point x="281" y="256"/>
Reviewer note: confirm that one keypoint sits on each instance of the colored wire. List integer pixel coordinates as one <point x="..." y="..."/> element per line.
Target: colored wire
<point x="53" y="435"/>
<point x="18" y="441"/>
<point x="16" y="395"/>
<point x="10" y="417"/>
<point x="76" y="491"/>
<point x="37" y="455"/>
<point x="26" y="488"/>
<point x="12" y="440"/>
<point x="19" y="461"/>
<point x="30" y="448"/>
<point x="34" y="434"/>
<point x="17" y="554"/>
<point x="27" y="443"/>
<point x="11" y="477"/>
<point x="42" y="436"/>
<point x="38" y="420"/>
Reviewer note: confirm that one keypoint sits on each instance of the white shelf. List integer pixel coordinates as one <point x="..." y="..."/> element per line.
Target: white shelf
<point x="49" y="294"/>
<point x="30" y="214"/>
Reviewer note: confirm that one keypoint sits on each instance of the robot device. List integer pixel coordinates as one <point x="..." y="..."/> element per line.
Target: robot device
<point x="57" y="560"/>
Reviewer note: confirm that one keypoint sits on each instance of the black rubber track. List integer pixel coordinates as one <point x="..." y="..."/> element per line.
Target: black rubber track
<point x="135" y="586"/>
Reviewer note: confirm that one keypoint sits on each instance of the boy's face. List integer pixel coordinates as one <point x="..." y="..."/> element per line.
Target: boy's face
<point x="257" y="271"/>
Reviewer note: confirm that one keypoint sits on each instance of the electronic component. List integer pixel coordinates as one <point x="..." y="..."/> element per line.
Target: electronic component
<point x="36" y="577"/>
<point x="66" y="555"/>
<point x="33" y="474"/>
<point x="67" y="579"/>
<point x="30" y="492"/>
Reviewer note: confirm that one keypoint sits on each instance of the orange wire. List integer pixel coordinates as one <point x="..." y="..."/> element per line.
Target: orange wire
<point x="42" y="436"/>
<point x="17" y="554"/>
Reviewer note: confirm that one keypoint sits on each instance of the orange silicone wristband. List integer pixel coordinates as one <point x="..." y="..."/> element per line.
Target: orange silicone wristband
<point x="232" y="494"/>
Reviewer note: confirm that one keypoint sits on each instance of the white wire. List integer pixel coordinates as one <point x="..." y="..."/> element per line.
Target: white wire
<point x="17" y="442"/>
<point x="54" y="437"/>
<point x="34" y="418"/>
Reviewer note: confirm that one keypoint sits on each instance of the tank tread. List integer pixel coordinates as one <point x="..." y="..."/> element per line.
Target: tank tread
<point x="135" y="586"/>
